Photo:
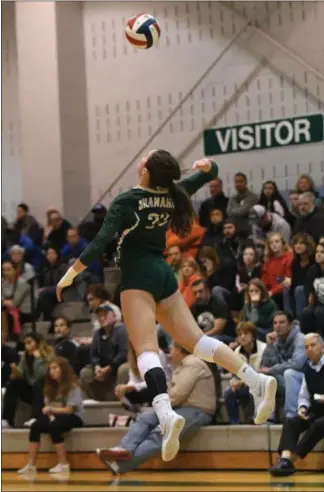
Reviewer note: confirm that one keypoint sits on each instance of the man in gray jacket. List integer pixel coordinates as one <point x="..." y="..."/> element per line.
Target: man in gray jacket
<point x="284" y="358"/>
<point x="239" y="205"/>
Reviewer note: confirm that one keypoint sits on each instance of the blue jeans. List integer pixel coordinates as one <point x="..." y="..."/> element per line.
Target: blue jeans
<point x="144" y="438"/>
<point x="232" y="400"/>
<point x="300" y="300"/>
<point x="289" y="385"/>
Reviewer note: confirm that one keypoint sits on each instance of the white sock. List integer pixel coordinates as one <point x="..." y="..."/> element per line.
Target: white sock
<point x="249" y="376"/>
<point x="206" y="347"/>
<point x="147" y="361"/>
<point x="162" y="406"/>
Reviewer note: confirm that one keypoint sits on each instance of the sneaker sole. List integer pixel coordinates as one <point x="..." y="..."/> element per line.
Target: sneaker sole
<point x="269" y="402"/>
<point x="170" y="447"/>
<point x="105" y="462"/>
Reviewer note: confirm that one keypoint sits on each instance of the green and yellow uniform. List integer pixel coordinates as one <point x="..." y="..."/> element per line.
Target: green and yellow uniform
<point x="140" y="218"/>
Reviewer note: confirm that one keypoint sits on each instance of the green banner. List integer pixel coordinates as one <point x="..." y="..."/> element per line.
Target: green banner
<point x="264" y="135"/>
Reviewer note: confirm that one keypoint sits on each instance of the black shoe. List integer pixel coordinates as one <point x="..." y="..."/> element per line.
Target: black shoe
<point x="283" y="468"/>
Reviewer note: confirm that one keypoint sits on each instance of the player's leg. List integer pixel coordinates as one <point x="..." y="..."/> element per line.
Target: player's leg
<point x="176" y="318"/>
<point x="140" y="319"/>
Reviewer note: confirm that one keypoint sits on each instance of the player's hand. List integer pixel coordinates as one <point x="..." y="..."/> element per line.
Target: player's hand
<point x="302" y="412"/>
<point x="203" y="165"/>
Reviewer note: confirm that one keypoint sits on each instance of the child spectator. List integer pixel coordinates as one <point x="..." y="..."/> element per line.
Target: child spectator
<point x="27" y="379"/>
<point x="250" y="350"/>
<point x="217" y="201"/>
<point x="303" y="250"/>
<point x="189" y="273"/>
<point x="272" y="200"/>
<point x="276" y="272"/>
<point x="259" y="308"/>
<point x="62" y="412"/>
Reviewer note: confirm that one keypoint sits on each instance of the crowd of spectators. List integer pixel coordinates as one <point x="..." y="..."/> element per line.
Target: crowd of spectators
<point x="252" y="273"/>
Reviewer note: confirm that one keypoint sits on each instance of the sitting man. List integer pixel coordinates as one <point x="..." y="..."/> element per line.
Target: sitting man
<point x="212" y="315"/>
<point x="108" y="351"/>
<point x="310" y="412"/>
<point x="284" y="358"/>
<point x="192" y="392"/>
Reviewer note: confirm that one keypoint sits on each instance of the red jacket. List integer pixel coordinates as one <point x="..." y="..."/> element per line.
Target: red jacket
<point x="275" y="270"/>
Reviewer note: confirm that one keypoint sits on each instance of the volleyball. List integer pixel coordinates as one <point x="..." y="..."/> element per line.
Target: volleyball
<point x="143" y="31"/>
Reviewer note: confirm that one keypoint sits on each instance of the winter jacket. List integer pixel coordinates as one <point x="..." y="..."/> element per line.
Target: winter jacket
<point x="286" y="354"/>
<point x="274" y="270"/>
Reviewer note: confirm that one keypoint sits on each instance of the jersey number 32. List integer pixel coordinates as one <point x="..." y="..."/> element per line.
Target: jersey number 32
<point x="157" y="220"/>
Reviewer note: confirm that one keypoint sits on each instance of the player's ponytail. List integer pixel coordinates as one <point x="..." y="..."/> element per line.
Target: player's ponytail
<point x="164" y="169"/>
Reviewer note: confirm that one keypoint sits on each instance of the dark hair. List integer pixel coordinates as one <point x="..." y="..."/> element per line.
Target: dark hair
<point x="257" y="282"/>
<point x="209" y="253"/>
<point x="68" y="380"/>
<point x="241" y="175"/>
<point x="100" y="291"/>
<point x="66" y="320"/>
<point x="23" y="206"/>
<point x="164" y="169"/>
<point x="310" y="181"/>
<point x="200" y="281"/>
<point x="283" y="313"/>
<point x="268" y="203"/>
<point x="293" y="192"/>
<point x="304" y="238"/>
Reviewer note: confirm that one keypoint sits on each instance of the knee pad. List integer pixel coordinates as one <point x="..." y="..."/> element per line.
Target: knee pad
<point x="206" y="347"/>
<point x="147" y="361"/>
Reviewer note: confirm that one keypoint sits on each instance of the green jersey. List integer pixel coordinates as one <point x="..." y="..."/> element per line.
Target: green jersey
<point x="140" y="218"/>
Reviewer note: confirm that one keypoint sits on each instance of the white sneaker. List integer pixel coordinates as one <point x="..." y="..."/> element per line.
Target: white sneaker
<point x="5" y="424"/>
<point x="29" y="468"/>
<point x="29" y="422"/>
<point x="170" y="430"/>
<point x="60" y="468"/>
<point x="264" y="398"/>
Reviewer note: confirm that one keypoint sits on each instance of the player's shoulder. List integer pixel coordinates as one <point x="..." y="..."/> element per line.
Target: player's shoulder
<point x="124" y="199"/>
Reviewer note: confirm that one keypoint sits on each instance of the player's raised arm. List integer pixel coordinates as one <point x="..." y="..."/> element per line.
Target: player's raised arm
<point x="110" y="227"/>
<point x="207" y="171"/>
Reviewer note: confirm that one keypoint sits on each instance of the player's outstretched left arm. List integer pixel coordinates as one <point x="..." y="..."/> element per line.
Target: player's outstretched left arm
<point x="207" y="171"/>
<point x="110" y="227"/>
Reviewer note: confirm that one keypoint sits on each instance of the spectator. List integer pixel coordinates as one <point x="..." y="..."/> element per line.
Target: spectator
<point x="217" y="200"/>
<point x="65" y="346"/>
<point x="311" y="218"/>
<point x="293" y="208"/>
<point x="97" y="294"/>
<point x="24" y="270"/>
<point x="239" y="205"/>
<point x="306" y="184"/>
<point x="276" y="271"/>
<point x="265" y="223"/>
<point x="189" y="274"/>
<point x="303" y="250"/>
<point x="72" y="250"/>
<point x="16" y="298"/>
<point x="250" y="350"/>
<point x="251" y="268"/>
<point x="259" y="308"/>
<point x="27" y="379"/>
<point x="175" y="258"/>
<point x="33" y="252"/>
<point x="48" y="228"/>
<point x="5" y="235"/>
<point x="57" y="237"/>
<point x="212" y="316"/>
<point x="214" y="232"/>
<point x="62" y="412"/>
<point x="108" y="351"/>
<point x="54" y="270"/>
<point x="284" y="358"/>
<point x="216" y="275"/>
<point x="310" y="418"/>
<point x="188" y="244"/>
<point x="231" y="247"/>
<point x="272" y="200"/>
<point x="313" y="315"/>
<point x="192" y="393"/>
<point x="27" y="225"/>
<point x="9" y="356"/>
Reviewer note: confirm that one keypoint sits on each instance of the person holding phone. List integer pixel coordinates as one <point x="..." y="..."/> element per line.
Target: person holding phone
<point x="310" y="416"/>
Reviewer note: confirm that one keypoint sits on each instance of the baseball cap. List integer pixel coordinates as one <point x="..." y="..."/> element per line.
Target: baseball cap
<point x="104" y="307"/>
<point x="257" y="212"/>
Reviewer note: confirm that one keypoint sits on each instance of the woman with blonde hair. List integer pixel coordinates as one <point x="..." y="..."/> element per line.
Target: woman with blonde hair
<point x="276" y="271"/>
<point x="189" y="273"/>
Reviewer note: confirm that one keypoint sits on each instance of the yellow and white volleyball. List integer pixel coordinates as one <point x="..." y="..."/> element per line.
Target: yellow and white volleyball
<point x="143" y="31"/>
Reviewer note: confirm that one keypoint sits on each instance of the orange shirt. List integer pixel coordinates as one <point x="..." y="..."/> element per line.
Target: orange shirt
<point x="186" y="289"/>
<point x="188" y="244"/>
